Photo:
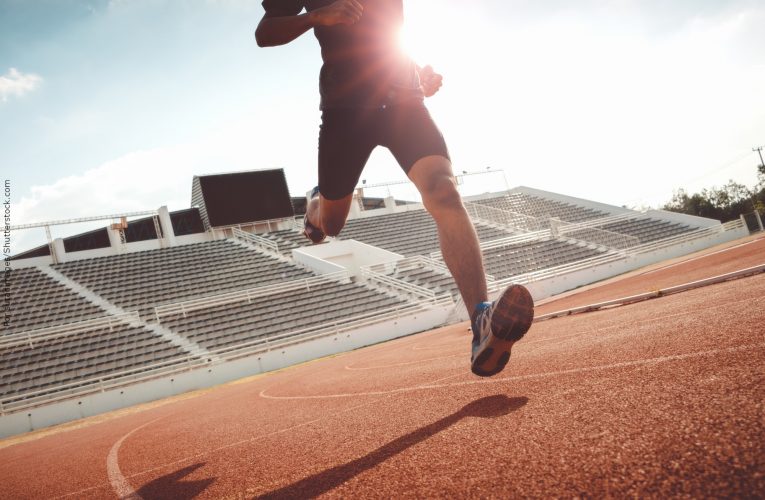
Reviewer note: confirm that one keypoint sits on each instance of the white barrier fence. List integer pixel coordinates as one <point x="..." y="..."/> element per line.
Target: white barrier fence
<point x="246" y="295"/>
<point x="384" y="281"/>
<point x="30" y="337"/>
<point x="510" y="220"/>
<point x="591" y="234"/>
<point x="254" y="239"/>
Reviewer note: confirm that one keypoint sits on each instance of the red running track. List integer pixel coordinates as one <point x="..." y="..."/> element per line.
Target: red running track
<point x="659" y="398"/>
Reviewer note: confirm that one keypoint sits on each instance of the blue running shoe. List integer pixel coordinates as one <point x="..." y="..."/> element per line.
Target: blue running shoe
<point x="497" y="326"/>
<point x="313" y="233"/>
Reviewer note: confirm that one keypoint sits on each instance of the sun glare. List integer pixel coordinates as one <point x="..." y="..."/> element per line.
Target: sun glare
<point x="421" y="38"/>
<point x="441" y="33"/>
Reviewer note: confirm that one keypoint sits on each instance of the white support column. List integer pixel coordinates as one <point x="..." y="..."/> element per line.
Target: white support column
<point x="355" y="207"/>
<point x="59" y="252"/>
<point x="167" y="226"/>
<point x="114" y="239"/>
<point x="390" y="203"/>
<point x="759" y="220"/>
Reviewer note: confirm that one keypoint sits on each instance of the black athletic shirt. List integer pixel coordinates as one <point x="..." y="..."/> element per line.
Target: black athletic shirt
<point x="363" y="63"/>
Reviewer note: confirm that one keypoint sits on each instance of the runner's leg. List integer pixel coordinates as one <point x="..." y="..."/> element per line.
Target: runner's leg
<point x="459" y="242"/>
<point x="329" y="215"/>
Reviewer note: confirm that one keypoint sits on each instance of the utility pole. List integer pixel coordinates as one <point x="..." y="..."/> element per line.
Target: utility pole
<point x="759" y="150"/>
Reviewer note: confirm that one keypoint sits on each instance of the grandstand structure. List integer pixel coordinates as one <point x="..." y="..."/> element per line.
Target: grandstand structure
<point x="170" y="301"/>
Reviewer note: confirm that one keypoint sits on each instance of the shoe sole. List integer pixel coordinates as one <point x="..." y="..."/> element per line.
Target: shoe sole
<point x="511" y="318"/>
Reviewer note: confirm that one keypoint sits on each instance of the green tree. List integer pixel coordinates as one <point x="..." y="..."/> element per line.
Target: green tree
<point x="725" y="203"/>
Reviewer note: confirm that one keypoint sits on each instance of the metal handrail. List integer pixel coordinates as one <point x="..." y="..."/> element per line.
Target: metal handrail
<point x="248" y="294"/>
<point x="255" y="239"/>
<point x="40" y="334"/>
<point x="506" y="218"/>
<point x="396" y="284"/>
<point x="598" y="236"/>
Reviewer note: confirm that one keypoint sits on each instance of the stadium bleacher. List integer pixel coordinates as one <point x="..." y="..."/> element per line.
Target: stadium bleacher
<point x="407" y="233"/>
<point x="201" y="271"/>
<point x="58" y="360"/>
<point x="142" y="280"/>
<point x="648" y="230"/>
<point x="517" y="259"/>
<point x="541" y="208"/>
<point x="279" y="313"/>
<point x="38" y="301"/>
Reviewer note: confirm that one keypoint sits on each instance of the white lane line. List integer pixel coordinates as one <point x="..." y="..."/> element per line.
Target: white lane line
<point x="394" y="365"/>
<point x="610" y="366"/>
<point x="121" y="485"/>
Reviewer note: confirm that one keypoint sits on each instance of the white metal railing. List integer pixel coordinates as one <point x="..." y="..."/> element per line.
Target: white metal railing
<point x="511" y="220"/>
<point x="733" y="225"/>
<point x="256" y="240"/>
<point x="268" y="343"/>
<point x="503" y="242"/>
<point x="247" y="295"/>
<point x="602" y="221"/>
<point x="686" y="237"/>
<point x="189" y="362"/>
<point x="398" y="285"/>
<point x="29" y="337"/>
<point x="422" y="261"/>
<point x="558" y="270"/>
<point x="598" y="236"/>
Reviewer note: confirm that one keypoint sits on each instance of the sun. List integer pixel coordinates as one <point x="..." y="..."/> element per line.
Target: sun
<point x="420" y="37"/>
<point x="435" y="31"/>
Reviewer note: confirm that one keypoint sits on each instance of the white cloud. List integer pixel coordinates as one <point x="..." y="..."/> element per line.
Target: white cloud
<point x="16" y="83"/>
<point x="147" y="179"/>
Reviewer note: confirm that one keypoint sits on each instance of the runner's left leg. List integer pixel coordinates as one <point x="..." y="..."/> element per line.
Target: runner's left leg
<point x="329" y="215"/>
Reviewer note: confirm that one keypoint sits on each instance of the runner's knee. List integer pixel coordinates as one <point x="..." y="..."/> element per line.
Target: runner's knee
<point x="441" y="194"/>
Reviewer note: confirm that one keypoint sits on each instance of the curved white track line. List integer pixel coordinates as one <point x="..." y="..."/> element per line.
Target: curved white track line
<point x="450" y="345"/>
<point x="121" y="485"/>
<point x="622" y="364"/>
<point x="394" y="365"/>
<point x="271" y="434"/>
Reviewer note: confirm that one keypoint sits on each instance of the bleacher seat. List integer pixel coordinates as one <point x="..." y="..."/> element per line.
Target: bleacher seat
<point x="279" y="313"/>
<point x="39" y="301"/>
<point x="142" y="280"/>
<point x="79" y="357"/>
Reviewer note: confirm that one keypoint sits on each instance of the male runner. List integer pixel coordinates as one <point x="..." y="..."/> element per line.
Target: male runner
<point x="372" y="94"/>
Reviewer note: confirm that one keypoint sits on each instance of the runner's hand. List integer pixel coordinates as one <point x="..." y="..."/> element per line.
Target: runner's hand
<point x="430" y="81"/>
<point x="339" y="12"/>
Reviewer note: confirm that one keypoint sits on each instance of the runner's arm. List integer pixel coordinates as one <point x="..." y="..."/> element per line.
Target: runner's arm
<point x="279" y="30"/>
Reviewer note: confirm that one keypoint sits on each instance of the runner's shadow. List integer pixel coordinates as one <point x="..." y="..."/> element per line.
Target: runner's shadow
<point x="171" y="486"/>
<point x="489" y="407"/>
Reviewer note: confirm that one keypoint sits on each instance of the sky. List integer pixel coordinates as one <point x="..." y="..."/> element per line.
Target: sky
<point x="111" y="106"/>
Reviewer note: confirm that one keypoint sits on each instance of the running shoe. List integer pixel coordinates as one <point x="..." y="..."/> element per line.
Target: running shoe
<point x="310" y="231"/>
<point x="497" y="326"/>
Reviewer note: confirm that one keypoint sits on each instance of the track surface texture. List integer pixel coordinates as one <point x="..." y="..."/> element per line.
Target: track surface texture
<point x="655" y="399"/>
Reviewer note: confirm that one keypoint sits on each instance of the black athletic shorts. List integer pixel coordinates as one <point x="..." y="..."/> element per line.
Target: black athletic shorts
<point x="348" y="136"/>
